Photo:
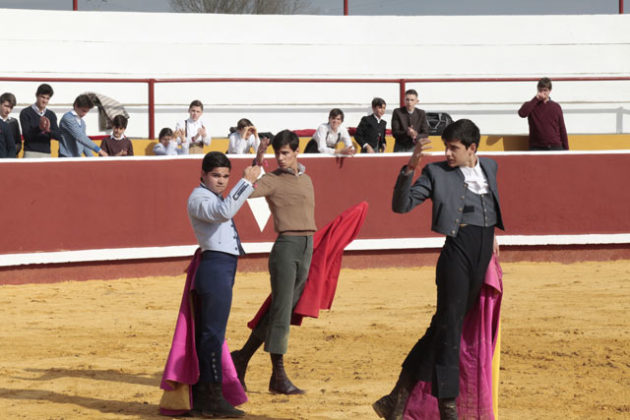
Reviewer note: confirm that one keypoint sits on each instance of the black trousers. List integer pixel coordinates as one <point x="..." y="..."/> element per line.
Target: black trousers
<point x="460" y="272"/>
<point x="213" y="300"/>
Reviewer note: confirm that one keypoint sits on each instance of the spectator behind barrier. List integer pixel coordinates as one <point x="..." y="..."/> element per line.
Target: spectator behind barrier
<point x="73" y="130"/>
<point x="409" y="124"/>
<point x="7" y="103"/>
<point x="118" y="144"/>
<point x="191" y="133"/>
<point x="244" y="138"/>
<point x="370" y="132"/>
<point x="332" y="133"/>
<point x="7" y="145"/>
<point x="167" y="145"/>
<point x="39" y="124"/>
<point x="545" y="119"/>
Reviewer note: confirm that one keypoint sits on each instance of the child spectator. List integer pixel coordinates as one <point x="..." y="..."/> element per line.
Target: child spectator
<point x="7" y="145"/>
<point x="370" y="132"/>
<point x="244" y="138"/>
<point x="329" y="134"/>
<point x="39" y="124"/>
<point x="7" y="102"/>
<point x="167" y="145"/>
<point x="73" y="130"/>
<point x="191" y="133"/>
<point x="118" y="144"/>
<point x="409" y="124"/>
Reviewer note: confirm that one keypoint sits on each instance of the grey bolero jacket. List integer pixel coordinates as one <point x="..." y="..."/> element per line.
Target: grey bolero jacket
<point x="445" y="186"/>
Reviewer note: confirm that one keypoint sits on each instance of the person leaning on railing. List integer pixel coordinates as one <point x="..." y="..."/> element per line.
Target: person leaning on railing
<point x="329" y="134"/>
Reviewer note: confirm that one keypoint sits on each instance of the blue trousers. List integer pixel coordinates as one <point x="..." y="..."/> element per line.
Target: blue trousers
<point x="213" y="300"/>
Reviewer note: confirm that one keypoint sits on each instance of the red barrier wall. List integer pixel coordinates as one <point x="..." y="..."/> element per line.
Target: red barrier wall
<point x="100" y="203"/>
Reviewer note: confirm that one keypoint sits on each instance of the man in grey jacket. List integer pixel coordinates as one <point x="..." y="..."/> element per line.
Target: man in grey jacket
<point x="211" y="215"/>
<point x="463" y="189"/>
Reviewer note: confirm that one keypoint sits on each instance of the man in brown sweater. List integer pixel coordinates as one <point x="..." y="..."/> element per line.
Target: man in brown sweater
<point x="290" y="195"/>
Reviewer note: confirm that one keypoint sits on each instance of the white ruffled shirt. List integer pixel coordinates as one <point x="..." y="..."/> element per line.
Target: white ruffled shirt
<point x="475" y="178"/>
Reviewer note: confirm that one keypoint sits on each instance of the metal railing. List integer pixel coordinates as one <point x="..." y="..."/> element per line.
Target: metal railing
<point x="402" y="83"/>
<point x="75" y="6"/>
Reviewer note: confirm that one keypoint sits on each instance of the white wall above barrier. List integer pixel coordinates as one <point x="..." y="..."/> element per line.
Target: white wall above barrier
<point x="148" y="45"/>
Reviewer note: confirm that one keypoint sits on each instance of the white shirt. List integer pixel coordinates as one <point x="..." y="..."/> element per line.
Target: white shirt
<point x="326" y="138"/>
<point x="191" y="128"/>
<point x="239" y="145"/>
<point x="475" y="178"/>
<point x="40" y="113"/>
<point x="170" y="149"/>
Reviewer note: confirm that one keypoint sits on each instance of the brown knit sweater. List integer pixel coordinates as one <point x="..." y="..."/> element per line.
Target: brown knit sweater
<point x="291" y="199"/>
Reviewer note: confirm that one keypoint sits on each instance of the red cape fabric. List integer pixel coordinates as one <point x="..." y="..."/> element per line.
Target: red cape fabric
<point x="328" y="245"/>
<point x="479" y="337"/>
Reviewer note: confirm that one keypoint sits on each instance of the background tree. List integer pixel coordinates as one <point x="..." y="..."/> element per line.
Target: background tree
<point x="254" y="7"/>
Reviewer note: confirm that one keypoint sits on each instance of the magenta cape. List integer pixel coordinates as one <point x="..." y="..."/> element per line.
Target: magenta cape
<point x="182" y="365"/>
<point x="328" y="245"/>
<point x="479" y="337"/>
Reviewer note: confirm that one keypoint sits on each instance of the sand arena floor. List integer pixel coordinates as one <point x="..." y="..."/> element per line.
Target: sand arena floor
<point x="96" y="349"/>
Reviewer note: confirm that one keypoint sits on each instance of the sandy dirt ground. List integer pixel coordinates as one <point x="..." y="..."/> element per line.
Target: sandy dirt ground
<point x="96" y="349"/>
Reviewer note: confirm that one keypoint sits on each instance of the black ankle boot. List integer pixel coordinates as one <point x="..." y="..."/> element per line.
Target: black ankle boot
<point x="210" y="403"/>
<point x="383" y="406"/>
<point x="448" y="408"/>
<point x="392" y="406"/>
<point x="241" y="357"/>
<point x="279" y="382"/>
<point x="240" y="365"/>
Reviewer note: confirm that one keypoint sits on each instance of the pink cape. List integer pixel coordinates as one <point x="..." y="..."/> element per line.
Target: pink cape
<point x="328" y="245"/>
<point x="182" y="365"/>
<point x="479" y="337"/>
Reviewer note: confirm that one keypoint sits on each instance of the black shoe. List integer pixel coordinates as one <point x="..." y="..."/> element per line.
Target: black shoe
<point x="399" y="397"/>
<point x="282" y="385"/>
<point x="211" y="404"/>
<point x="383" y="406"/>
<point x="279" y="382"/>
<point x="240" y="364"/>
<point x="448" y="408"/>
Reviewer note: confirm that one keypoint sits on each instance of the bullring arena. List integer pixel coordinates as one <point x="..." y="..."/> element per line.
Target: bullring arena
<point x="93" y="250"/>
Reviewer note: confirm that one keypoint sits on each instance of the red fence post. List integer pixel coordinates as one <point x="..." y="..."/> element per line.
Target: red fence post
<point x="151" y="84"/>
<point x="75" y="5"/>
<point x="403" y="88"/>
<point x="345" y="7"/>
<point x="621" y="7"/>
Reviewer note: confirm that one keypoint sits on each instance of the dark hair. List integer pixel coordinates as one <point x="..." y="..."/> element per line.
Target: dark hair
<point x="44" y="89"/>
<point x="165" y="132"/>
<point x="378" y="102"/>
<point x="83" y="101"/>
<point x="463" y="130"/>
<point x="215" y="160"/>
<point x="283" y="138"/>
<point x="8" y="97"/>
<point x="411" y="92"/>
<point x="336" y="112"/>
<point x="119" y="121"/>
<point x="545" y="82"/>
<point x="196" y="102"/>
<point x="242" y="123"/>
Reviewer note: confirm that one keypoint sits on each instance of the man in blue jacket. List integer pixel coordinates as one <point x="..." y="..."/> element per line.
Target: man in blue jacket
<point x="465" y="197"/>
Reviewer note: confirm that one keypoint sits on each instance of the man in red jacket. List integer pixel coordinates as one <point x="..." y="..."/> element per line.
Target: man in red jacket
<point x="546" y="122"/>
